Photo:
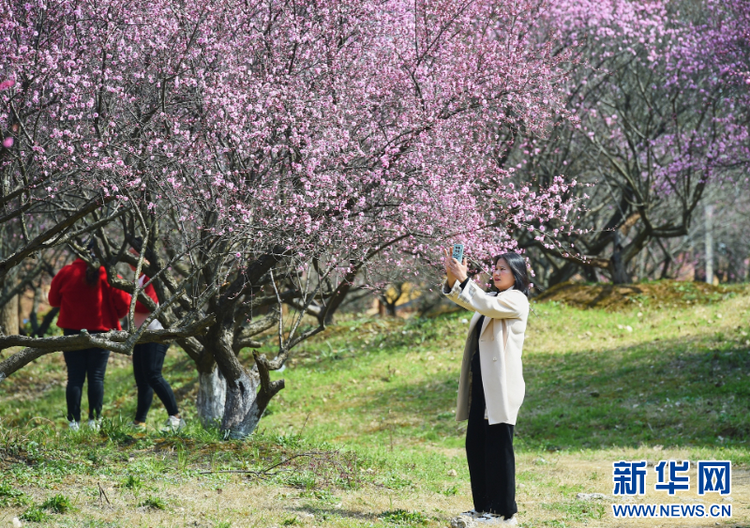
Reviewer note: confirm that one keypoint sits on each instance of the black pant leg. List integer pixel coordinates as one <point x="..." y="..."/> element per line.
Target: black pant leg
<point x="153" y="361"/>
<point x="96" y="366"/>
<point x="501" y="469"/>
<point x="476" y="438"/>
<point x="475" y="456"/>
<point x="140" y="373"/>
<point x="75" y="361"/>
<point x="162" y="389"/>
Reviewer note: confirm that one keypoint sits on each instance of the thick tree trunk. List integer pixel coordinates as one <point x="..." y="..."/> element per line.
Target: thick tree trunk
<point x="619" y="274"/>
<point x="665" y="268"/>
<point x="241" y="411"/>
<point x="590" y="273"/>
<point x="248" y="395"/>
<point x="617" y="263"/>
<point x="244" y="404"/>
<point x="562" y="274"/>
<point x="212" y="395"/>
<point x="642" y="264"/>
<point x="709" y="215"/>
<point x="9" y="317"/>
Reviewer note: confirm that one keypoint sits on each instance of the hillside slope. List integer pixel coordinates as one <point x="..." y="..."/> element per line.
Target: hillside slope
<point x="364" y="432"/>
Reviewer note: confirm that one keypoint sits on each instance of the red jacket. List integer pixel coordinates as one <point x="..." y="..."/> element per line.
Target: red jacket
<point x="98" y="307"/>
<point x="148" y="290"/>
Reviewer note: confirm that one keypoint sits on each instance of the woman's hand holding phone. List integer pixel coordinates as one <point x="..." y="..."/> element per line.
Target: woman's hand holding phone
<point x="455" y="270"/>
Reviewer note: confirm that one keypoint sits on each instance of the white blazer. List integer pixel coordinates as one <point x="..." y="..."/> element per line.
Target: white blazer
<point x="500" y="348"/>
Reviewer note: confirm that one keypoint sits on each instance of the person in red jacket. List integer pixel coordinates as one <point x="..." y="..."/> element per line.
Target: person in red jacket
<point x="87" y="302"/>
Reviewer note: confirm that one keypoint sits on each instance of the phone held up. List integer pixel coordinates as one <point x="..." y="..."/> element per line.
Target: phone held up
<point x="458" y="252"/>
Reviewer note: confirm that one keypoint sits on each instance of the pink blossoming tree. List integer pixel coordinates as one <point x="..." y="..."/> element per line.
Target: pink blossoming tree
<point x="259" y="154"/>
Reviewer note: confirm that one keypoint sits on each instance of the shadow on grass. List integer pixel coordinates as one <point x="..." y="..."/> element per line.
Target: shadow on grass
<point x="387" y="518"/>
<point x="679" y="392"/>
<point x="323" y="513"/>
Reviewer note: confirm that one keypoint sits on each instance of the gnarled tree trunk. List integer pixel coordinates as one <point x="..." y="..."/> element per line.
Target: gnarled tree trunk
<point x="241" y="412"/>
<point x="248" y="394"/>
<point x="212" y="395"/>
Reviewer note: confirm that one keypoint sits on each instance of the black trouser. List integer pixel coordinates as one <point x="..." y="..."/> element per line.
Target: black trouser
<point x="80" y="363"/>
<point x="489" y="451"/>
<point x="148" y="360"/>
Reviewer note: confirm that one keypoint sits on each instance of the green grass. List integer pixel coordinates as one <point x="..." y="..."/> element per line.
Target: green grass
<point x="153" y="502"/>
<point x="9" y="495"/>
<point x="367" y="420"/>
<point x="403" y="518"/>
<point x="34" y="514"/>
<point x="610" y="387"/>
<point x="58" y="504"/>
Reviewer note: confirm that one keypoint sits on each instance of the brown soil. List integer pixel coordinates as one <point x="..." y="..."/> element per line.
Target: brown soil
<point x="660" y="294"/>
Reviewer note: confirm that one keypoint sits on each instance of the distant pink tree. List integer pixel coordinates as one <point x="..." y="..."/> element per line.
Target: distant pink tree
<point x="269" y="152"/>
<point x="659" y="105"/>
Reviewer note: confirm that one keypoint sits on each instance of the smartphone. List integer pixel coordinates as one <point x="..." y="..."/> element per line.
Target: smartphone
<point x="458" y="252"/>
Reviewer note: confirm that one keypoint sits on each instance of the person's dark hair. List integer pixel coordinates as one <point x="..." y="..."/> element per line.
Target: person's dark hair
<point x="92" y="273"/>
<point x="92" y="276"/>
<point x="517" y="266"/>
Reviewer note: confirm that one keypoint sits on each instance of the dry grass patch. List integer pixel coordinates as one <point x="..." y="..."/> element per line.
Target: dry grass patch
<point x="657" y="294"/>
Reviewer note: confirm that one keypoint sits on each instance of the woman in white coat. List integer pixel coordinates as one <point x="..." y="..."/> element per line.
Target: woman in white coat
<point x="491" y="386"/>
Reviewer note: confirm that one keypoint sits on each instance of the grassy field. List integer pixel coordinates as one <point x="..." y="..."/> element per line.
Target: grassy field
<point x="364" y="434"/>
